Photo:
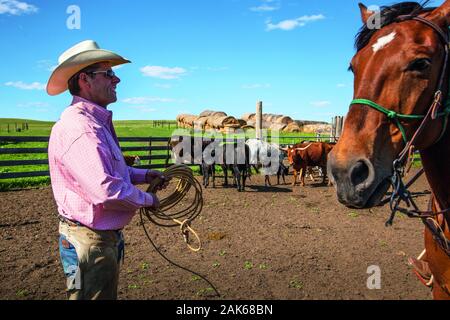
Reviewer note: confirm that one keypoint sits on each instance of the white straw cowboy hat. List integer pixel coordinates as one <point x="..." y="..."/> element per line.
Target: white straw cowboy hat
<point x="77" y="58"/>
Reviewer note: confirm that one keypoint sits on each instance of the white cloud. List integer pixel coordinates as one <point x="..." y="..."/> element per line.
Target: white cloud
<point x="291" y="24"/>
<point x="341" y="85"/>
<point x="323" y="103"/>
<point x="26" y="86"/>
<point x="255" y="86"/>
<point x="267" y="6"/>
<point x="163" y="72"/>
<point x="264" y="8"/>
<point x="146" y="100"/>
<point x="16" y="8"/>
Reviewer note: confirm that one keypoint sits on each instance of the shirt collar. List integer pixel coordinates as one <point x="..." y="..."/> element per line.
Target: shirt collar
<point x="99" y="113"/>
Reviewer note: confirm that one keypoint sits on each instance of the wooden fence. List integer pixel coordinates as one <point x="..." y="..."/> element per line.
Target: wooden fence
<point x="150" y="146"/>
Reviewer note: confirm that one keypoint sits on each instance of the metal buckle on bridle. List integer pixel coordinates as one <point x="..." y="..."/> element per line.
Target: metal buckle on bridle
<point x="436" y="104"/>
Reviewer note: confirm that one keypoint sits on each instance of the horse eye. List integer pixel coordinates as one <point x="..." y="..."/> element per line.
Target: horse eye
<point x="419" y="65"/>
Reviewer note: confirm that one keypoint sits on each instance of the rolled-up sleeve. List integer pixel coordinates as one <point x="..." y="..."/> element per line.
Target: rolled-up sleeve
<point x="89" y="161"/>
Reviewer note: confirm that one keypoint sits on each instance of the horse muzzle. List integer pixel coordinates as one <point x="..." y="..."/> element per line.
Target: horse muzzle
<point x="359" y="184"/>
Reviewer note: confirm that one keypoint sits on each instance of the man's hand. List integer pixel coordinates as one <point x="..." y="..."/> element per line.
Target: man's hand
<point x="153" y="174"/>
<point x="155" y="203"/>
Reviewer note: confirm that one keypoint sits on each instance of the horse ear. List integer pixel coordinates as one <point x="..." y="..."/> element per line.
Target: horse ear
<point x="365" y="13"/>
<point x="441" y="15"/>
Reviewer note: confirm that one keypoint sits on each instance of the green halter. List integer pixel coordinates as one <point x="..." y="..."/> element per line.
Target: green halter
<point x="394" y="116"/>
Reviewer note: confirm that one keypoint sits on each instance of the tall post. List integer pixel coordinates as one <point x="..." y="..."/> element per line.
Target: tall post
<point x="339" y="127"/>
<point x="259" y="120"/>
<point x="333" y="128"/>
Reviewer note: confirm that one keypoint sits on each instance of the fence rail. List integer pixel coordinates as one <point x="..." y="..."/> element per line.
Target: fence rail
<point x="149" y="147"/>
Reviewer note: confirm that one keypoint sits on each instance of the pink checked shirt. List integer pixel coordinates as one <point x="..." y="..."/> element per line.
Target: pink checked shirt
<point x="90" y="180"/>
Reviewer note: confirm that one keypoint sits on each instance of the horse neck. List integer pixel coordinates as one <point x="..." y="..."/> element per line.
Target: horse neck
<point x="436" y="164"/>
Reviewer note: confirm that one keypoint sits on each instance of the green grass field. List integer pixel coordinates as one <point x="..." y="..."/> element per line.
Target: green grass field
<point x="130" y="128"/>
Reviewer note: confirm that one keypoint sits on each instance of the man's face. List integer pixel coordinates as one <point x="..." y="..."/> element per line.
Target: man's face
<point x="103" y="88"/>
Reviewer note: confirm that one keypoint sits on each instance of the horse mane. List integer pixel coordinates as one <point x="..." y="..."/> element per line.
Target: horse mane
<point x="389" y="14"/>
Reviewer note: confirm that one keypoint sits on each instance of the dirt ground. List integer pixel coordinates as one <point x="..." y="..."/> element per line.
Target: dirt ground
<point x="278" y="243"/>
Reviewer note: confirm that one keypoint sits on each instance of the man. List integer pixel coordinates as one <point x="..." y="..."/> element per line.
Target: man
<point x="93" y="187"/>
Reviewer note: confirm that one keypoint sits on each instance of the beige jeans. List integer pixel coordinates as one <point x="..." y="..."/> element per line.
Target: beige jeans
<point x="90" y="260"/>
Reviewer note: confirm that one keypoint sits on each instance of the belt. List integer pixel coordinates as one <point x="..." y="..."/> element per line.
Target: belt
<point x="70" y="222"/>
<point x="78" y="224"/>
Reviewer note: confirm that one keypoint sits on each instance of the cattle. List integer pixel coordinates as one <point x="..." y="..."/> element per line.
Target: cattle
<point x="233" y="156"/>
<point x="269" y="157"/>
<point x="208" y="153"/>
<point x="310" y="154"/>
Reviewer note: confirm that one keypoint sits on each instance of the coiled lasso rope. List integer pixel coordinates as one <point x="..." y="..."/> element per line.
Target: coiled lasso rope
<point x="182" y="218"/>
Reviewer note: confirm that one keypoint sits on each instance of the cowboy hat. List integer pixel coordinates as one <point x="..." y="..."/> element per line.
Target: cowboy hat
<point x="76" y="58"/>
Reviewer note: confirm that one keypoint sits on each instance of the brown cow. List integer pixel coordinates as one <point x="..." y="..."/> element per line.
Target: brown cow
<point x="310" y="154"/>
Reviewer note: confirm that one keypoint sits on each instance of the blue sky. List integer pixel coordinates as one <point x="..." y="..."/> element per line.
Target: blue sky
<point x="188" y="55"/>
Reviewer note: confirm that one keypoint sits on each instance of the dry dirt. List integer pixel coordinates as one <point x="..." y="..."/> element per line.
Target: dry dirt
<point x="276" y="243"/>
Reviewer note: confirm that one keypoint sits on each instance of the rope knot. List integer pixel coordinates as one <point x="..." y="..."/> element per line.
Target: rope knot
<point x="391" y="114"/>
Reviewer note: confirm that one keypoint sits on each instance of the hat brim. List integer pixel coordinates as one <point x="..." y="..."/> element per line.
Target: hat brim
<point x="58" y="81"/>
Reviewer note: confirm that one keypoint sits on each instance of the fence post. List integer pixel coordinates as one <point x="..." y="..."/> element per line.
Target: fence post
<point x="259" y="120"/>
<point x="339" y="127"/>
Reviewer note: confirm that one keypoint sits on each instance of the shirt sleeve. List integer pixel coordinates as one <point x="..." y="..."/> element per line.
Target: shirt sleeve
<point x="138" y="175"/>
<point x="89" y="160"/>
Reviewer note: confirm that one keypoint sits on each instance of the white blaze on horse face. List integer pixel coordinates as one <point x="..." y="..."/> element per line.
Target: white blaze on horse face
<point x="383" y="41"/>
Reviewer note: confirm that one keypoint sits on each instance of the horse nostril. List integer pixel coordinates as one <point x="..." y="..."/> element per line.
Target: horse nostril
<point x="359" y="173"/>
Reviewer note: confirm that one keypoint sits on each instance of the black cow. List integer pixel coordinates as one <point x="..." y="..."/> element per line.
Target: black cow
<point x="231" y="156"/>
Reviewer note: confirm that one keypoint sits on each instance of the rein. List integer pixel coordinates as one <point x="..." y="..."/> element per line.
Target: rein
<point x="400" y="191"/>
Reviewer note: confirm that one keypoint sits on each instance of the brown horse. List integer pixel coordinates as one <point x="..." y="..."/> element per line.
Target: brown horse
<point x="401" y="75"/>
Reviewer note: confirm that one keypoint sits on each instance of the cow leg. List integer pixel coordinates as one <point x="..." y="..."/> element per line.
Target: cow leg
<point x="267" y="180"/>
<point x="295" y="178"/>
<point x="302" y="176"/>
<point x="244" y="178"/>
<point x="213" y="174"/>
<point x="237" y="177"/>
<point x="204" y="168"/>
<point x="225" y="174"/>
<point x="324" y="173"/>
<point x="309" y="172"/>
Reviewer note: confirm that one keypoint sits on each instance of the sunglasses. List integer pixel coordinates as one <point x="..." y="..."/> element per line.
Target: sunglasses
<point x="109" y="73"/>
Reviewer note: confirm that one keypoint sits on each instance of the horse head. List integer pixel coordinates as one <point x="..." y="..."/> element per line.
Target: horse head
<point x="398" y="70"/>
